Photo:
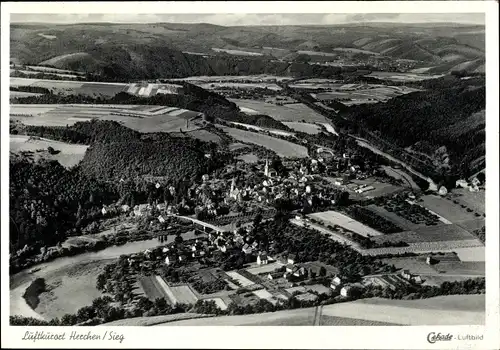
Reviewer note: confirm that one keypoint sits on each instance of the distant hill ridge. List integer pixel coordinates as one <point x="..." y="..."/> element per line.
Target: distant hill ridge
<point x="155" y="50"/>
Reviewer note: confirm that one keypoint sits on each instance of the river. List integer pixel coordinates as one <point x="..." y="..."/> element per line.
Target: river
<point x="21" y="280"/>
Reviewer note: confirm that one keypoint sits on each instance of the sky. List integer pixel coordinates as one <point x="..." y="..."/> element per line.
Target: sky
<point x="228" y="19"/>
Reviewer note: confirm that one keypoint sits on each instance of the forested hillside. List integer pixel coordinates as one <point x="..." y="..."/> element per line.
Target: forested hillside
<point x="428" y="120"/>
<point x="48" y="202"/>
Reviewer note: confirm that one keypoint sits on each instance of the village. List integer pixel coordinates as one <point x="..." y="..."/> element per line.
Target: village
<point x="228" y="260"/>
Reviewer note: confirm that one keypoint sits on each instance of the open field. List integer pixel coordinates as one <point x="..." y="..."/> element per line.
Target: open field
<point x="445" y="265"/>
<point x="473" y="200"/>
<point x="34" y="73"/>
<point x="281" y="147"/>
<point x="472" y="225"/>
<point x="402" y="76"/>
<point x="365" y="94"/>
<point x="166" y="120"/>
<point x="72" y="87"/>
<point x="54" y="70"/>
<point x="70" y="289"/>
<point x="72" y="275"/>
<point x="294" y="112"/>
<point x="55" y="60"/>
<point x="440" y="310"/>
<point x="226" y="78"/>
<point x="297" y="317"/>
<point x="237" y="52"/>
<point x="247" y="86"/>
<point x="14" y="94"/>
<point x="446" y="310"/>
<point x="471" y="253"/>
<point x="271" y="131"/>
<point x="344" y="321"/>
<point x="69" y="155"/>
<point x="308" y="128"/>
<point x="153" y="320"/>
<point x="335" y="218"/>
<point x="446" y="208"/>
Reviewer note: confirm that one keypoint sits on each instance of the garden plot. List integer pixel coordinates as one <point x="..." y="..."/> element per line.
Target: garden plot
<point x="178" y="294"/>
<point x="281" y="147"/>
<point x="264" y="294"/>
<point x="151" y="287"/>
<point x="335" y="218"/>
<point x="243" y="281"/>
<point x="264" y="268"/>
<point x="446" y="208"/>
<point x="184" y="294"/>
<point x="295" y="112"/>
<point x="219" y="302"/>
<point x="391" y="216"/>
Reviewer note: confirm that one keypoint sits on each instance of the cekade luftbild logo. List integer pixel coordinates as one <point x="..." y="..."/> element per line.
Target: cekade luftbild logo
<point x="435" y="337"/>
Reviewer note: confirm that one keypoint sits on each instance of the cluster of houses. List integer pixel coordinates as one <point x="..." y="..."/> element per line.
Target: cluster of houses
<point x="300" y="184"/>
<point x="472" y="186"/>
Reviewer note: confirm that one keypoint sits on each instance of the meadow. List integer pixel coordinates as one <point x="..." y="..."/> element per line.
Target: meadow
<point x="69" y="154"/>
<point x="335" y="218"/>
<point x="295" y="112"/>
<point x="281" y="147"/>
<point x="162" y="118"/>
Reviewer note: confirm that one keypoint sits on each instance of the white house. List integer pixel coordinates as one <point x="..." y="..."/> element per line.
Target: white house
<point x="345" y="291"/>
<point x="473" y="188"/>
<point x="443" y="191"/>
<point x="125" y="208"/>
<point x="461" y="183"/>
<point x="247" y="249"/>
<point x="161" y="219"/>
<point x="475" y="181"/>
<point x="291" y="259"/>
<point x="406" y="274"/>
<point x="103" y="211"/>
<point x="169" y="259"/>
<point x="262" y="259"/>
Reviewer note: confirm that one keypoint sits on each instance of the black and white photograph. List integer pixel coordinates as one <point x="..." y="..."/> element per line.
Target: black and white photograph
<point x="246" y="169"/>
